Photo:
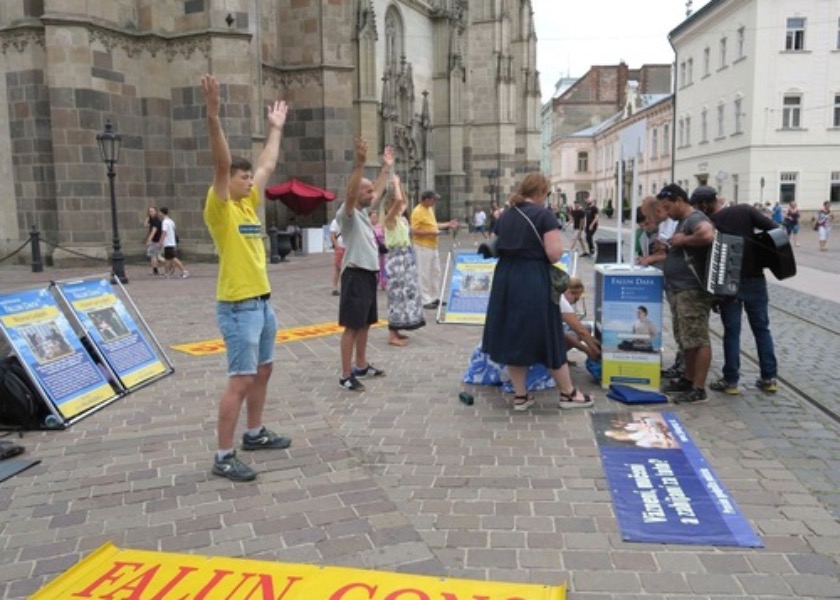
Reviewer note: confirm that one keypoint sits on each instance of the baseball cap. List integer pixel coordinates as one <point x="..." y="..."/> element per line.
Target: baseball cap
<point x="703" y="194"/>
<point x="430" y="194"/>
<point x="672" y="192"/>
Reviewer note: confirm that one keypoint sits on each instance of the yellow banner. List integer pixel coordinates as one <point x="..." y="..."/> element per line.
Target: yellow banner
<point x="284" y="336"/>
<point x="39" y="315"/>
<point x="80" y="404"/>
<point x="114" y="574"/>
<point x="89" y="304"/>
<point x="140" y="375"/>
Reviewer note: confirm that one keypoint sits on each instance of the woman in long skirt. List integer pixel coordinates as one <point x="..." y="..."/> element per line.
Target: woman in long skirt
<point x="523" y="325"/>
<point x="405" y="304"/>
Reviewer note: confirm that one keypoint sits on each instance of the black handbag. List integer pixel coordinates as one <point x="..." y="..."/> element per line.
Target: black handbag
<point x="489" y="249"/>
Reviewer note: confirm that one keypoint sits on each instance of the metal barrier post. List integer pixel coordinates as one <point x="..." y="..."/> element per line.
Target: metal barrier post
<point x="272" y="244"/>
<point x="35" y="242"/>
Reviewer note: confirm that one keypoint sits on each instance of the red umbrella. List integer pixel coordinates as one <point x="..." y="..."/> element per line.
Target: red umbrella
<point x="301" y="198"/>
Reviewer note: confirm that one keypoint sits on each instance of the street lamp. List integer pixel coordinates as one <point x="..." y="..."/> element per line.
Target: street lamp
<point x="493" y="178"/>
<point x="109" y="145"/>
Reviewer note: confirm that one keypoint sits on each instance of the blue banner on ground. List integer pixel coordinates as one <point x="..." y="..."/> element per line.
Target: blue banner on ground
<point x="662" y="487"/>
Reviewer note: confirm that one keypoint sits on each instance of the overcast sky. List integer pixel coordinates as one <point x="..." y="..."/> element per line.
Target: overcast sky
<point x="574" y="35"/>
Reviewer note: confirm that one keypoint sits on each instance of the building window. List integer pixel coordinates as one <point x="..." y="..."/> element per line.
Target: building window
<point x="735" y="186"/>
<point x="836" y="121"/>
<point x="666" y="140"/>
<point x="682" y="74"/>
<point x="654" y="143"/>
<point x="681" y="133"/>
<point x="721" y="122"/>
<point x="583" y="162"/>
<point x="795" y="35"/>
<point x="787" y="187"/>
<point x="722" y="53"/>
<point x="704" y="126"/>
<point x="688" y="131"/>
<point x="834" y="190"/>
<point x="738" y="108"/>
<point x="791" y="112"/>
<point x="838" y="34"/>
<point x="707" y="59"/>
<point x="690" y="71"/>
<point x="741" y="41"/>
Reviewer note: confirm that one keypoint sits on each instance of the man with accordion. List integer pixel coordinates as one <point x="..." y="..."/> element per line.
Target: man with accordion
<point x="742" y="220"/>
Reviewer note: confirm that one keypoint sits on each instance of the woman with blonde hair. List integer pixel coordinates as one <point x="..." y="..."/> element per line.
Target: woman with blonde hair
<point x="523" y="325"/>
<point x="575" y="333"/>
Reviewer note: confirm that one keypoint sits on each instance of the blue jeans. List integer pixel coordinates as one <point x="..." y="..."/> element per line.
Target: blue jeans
<point x="752" y="297"/>
<point x="249" y="329"/>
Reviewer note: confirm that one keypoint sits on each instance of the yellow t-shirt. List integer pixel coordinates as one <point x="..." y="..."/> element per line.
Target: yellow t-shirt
<point x="237" y="232"/>
<point x="423" y="219"/>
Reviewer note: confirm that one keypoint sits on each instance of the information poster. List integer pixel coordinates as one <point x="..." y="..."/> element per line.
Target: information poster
<point x="113" y="330"/>
<point x="662" y="487"/>
<point x="469" y="289"/>
<point x="629" y="323"/>
<point x="45" y="341"/>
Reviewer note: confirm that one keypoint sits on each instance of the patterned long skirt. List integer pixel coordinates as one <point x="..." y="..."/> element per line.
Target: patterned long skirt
<point x="405" y="306"/>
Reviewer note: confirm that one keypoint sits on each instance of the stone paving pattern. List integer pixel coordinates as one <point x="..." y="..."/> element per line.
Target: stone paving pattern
<point x="406" y="478"/>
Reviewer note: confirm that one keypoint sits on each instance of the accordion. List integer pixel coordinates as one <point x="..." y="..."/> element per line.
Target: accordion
<point x="723" y="271"/>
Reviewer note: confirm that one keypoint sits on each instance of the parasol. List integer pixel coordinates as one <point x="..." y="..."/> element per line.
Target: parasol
<point x="301" y="198"/>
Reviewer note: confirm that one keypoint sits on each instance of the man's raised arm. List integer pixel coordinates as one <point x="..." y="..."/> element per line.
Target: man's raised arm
<point x="218" y="143"/>
<point x="267" y="161"/>
<point x="382" y="178"/>
<point x="355" y="181"/>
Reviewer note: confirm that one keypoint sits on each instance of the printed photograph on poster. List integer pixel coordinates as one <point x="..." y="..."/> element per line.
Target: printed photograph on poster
<point x="108" y="323"/>
<point x="634" y="430"/>
<point x="632" y="314"/>
<point x="46" y="343"/>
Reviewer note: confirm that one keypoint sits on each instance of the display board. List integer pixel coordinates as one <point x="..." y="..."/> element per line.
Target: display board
<point x="121" y="337"/>
<point x="628" y="322"/>
<point x="70" y="381"/>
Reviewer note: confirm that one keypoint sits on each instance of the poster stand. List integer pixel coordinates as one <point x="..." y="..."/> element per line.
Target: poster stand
<point x="82" y="345"/>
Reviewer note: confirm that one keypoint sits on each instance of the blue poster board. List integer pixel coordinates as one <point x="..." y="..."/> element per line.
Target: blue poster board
<point x="662" y="487"/>
<point x="469" y="288"/>
<point x="52" y="353"/>
<point x="113" y="330"/>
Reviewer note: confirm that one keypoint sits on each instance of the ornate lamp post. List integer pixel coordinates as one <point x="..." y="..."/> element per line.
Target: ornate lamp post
<point x="109" y="145"/>
<point x="493" y="178"/>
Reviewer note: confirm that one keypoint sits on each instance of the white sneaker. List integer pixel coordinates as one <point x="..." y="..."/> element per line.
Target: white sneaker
<point x="185" y="274"/>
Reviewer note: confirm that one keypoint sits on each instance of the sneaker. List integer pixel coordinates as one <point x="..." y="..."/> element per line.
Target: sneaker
<point x="767" y="385"/>
<point x="368" y="371"/>
<point x="678" y="385"/>
<point x="673" y="372"/>
<point x="351" y="383"/>
<point x="185" y="274"/>
<point x="233" y="468"/>
<point x="265" y="440"/>
<point x="721" y="385"/>
<point x="695" y="396"/>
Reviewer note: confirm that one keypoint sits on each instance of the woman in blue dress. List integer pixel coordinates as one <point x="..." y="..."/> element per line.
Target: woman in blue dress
<point x="523" y="325"/>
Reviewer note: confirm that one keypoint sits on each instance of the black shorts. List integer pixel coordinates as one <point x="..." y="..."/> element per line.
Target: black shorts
<point x="169" y="252"/>
<point x="357" y="306"/>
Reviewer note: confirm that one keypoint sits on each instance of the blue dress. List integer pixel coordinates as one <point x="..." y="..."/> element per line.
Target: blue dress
<point x="523" y="326"/>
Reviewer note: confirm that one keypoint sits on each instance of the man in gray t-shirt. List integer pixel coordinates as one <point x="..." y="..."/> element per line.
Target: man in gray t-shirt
<point x="357" y="309"/>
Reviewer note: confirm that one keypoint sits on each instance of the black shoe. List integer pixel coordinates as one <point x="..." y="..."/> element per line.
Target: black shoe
<point x="430" y="306"/>
<point x="233" y="468"/>
<point x="678" y="385"/>
<point x="695" y="396"/>
<point x="351" y="383"/>
<point x="265" y="440"/>
<point x="673" y="372"/>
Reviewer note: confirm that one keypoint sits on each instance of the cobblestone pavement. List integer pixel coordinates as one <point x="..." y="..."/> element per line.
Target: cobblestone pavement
<point x="404" y="477"/>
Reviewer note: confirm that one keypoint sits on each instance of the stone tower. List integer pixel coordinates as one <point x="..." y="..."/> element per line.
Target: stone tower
<point x="451" y="84"/>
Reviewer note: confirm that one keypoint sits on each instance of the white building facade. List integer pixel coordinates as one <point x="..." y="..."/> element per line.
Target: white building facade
<point x="757" y="102"/>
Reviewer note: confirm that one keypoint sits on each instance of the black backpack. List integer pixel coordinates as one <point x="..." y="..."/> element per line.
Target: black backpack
<point x="19" y="402"/>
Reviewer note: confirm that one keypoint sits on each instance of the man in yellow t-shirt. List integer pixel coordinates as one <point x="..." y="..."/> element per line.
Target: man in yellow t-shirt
<point x="243" y="311"/>
<point x="425" y="231"/>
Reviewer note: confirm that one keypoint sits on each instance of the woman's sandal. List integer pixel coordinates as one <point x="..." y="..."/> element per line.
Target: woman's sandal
<point x="523" y="402"/>
<point x="571" y="401"/>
